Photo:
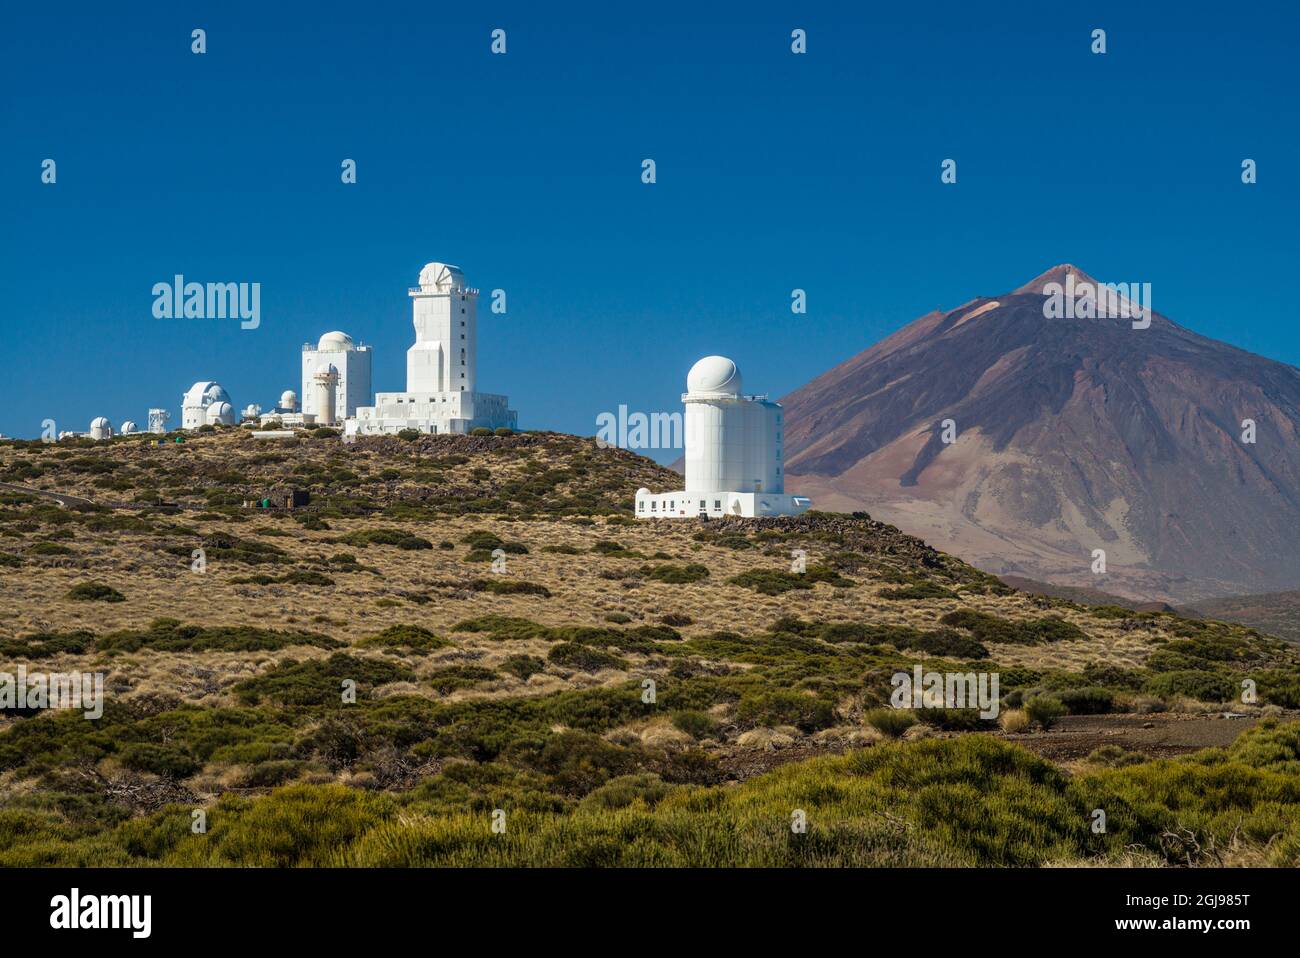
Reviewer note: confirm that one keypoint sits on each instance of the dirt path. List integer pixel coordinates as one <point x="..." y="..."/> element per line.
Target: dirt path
<point x="1162" y="735"/>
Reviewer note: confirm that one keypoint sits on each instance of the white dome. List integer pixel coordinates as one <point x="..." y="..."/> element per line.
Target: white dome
<point x="288" y="399"/>
<point x="714" y="374"/>
<point x="221" y="413"/>
<point x="335" y="341"/>
<point x="204" y="394"/>
<point x="327" y="371"/>
<point x="441" y="278"/>
<point x="128" y="427"/>
<point x="99" y="422"/>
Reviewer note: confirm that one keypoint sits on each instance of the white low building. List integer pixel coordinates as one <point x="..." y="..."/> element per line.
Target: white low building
<point x="734" y="452"/>
<point x="440" y="394"/>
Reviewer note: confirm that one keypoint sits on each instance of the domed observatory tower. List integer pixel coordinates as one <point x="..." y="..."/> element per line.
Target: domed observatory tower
<point x="734" y="458"/>
<point x="206" y="403"/>
<point x="441" y="392"/>
<point x="350" y="361"/>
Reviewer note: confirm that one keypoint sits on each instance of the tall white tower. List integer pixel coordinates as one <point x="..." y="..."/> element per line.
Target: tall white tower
<point x="734" y="452"/>
<point x="158" y="420"/>
<point x="446" y="324"/>
<point x="326" y="385"/>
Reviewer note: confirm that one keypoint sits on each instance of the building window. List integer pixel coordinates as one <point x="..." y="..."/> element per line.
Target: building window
<point x="640" y="507"/>
<point x="717" y="504"/>
<point x="654" y="506"/>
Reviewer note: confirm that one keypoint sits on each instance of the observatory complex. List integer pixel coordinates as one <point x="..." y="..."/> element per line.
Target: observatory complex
<point x="334" y="398"/>
<point x="733" y="452"/>
<point x="206" y="404"/>
<point x="440" y="367"/>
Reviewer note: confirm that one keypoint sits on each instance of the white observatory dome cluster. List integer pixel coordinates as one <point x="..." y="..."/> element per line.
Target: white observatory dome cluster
<point x="734" y="452"/>
<point x="206" y="404"/>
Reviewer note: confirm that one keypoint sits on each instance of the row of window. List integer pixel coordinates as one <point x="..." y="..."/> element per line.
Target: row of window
<point x="672" y="505"/>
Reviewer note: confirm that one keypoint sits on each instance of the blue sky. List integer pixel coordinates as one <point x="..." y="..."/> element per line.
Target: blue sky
<point x="775" y="171"/>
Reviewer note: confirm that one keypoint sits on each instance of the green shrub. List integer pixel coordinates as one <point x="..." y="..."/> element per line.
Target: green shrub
<point x="169" y="761"/>
<point x="890" y="722"/>
<point x="95" y="592"/>
<point x="695" y="723"/>
<point x="509" y="587"/>
<point x="1044" y="709"/>
<point x="317" y="681"/>
<point x="414" y="638"/>
<point x="676" y="574"/>
<point x="1195" y="684"/>
<point x="169" y="635"/>
<point x="785" y="707"/>
<point x="777" y="581"/>
<point x="584" y="658"/>
<point x="946" y="642"/>
<point x="453" y="677"/>
<point x="1086" y="701"/>
<point x="523" y="666"/>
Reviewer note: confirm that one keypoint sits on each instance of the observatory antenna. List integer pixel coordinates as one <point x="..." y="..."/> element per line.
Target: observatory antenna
<point x="158" y="420"/>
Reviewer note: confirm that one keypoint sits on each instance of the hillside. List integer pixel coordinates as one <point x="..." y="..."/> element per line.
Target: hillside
<point x="1071" y="435"/>
<point x="523" y="687"/>
<point x="1277" y="613"/>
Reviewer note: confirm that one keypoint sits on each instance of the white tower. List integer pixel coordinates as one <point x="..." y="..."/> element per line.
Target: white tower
<point x="350" y="360"/>
<point x="158" y="420"/>
<point x="446" y="322"/>
<point x="734" y="452"/>
<point x="326" y="383"/>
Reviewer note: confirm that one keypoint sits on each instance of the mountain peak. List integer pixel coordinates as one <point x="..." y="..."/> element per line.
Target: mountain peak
<point x="1056" y="274"/>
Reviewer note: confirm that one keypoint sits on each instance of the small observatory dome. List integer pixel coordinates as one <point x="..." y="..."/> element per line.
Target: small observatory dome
<point x="441" y="278"/>
<point x="128" y="427"/>
<point x="221" y="413"/>
<point x="289" y="400"/>
<point x="714" y="374"/>
<point x="100" y="428"/>
<point x="334" y="342"/>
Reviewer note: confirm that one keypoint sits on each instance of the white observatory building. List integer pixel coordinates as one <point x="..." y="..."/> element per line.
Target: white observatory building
<point x="206" y="403"/>
<point x="100" y="428"/>
<point x="734" y="452"/>
<point x="440" y="392"/>
<point x="350" y="363"/>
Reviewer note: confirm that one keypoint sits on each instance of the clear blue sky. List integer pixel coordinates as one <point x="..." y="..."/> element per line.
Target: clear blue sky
<point x="775" y="171"/>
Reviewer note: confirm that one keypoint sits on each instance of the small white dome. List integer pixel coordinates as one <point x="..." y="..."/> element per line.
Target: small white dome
<point x="221" y="413"/>
<point x="288" y="399"/>
<point x="714" y="374"/>
<point x="99" y="422"/>
<point x="335" y="341"/>
<point x="128" y="427"/>
<point x="441" y="278"/>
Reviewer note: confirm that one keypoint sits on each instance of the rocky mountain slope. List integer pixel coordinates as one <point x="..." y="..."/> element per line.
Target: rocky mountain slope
<point x="1071" y="435"/>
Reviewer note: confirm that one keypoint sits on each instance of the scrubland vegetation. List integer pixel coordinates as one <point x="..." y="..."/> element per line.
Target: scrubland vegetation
<point x="625" y="693"/>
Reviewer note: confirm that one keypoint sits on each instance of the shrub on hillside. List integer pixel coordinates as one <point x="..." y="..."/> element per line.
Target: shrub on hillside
<point x="784" y="707"/>
<point x="95" y="592"/>
<point x="1044" y="709"/>
<point x="890" y="722"/>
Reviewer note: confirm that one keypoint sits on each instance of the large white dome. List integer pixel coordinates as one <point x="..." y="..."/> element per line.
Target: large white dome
<point x="441" y="278"/>
<point x="334" y="342"/>
<point x="99" y="422"/>
<point x="714" y="374"/>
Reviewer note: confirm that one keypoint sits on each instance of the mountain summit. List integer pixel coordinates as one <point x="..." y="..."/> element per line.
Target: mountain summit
<point x="1070" y="433"/>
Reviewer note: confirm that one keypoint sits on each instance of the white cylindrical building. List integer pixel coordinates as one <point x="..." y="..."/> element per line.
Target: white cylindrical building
<point x="326" y="382"/>
<point x="732" y="442"/>
<point x="100" y="428"/>
<point x="734" y="452"/>
<point x="350" y="361"/>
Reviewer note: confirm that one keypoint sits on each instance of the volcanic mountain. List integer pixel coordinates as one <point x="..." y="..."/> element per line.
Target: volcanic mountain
<point x="1071" y="435"/>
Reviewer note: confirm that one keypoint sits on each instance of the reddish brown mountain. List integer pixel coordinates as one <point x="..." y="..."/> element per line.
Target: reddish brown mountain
<point x="1072" y="435"/>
